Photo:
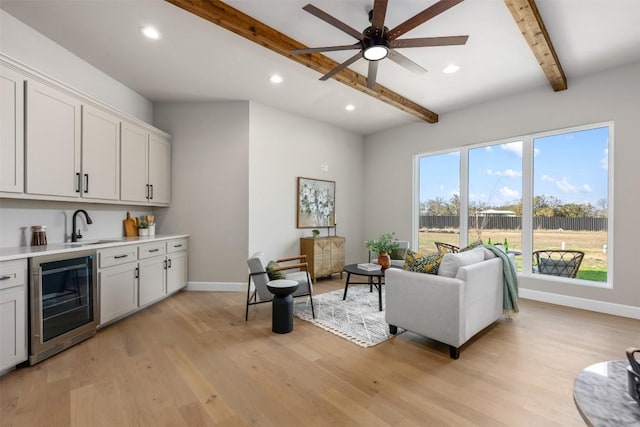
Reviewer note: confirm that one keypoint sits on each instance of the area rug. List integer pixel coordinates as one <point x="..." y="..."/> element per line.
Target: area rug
<point x="356" y="319"/>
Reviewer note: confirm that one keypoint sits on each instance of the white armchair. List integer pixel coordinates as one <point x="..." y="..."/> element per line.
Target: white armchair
<point x="447" y="309"/>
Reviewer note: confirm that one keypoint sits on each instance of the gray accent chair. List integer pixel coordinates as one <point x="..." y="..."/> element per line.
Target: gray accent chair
<point x="257" y="292"/>
<point x="450" y="308"/>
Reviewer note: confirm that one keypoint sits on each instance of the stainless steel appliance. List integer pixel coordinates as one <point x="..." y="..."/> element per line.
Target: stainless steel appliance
<point x="63" y="302"/>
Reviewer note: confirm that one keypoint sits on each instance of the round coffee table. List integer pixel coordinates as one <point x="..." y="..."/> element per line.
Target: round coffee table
<point x="600" y="394"/>
<point x="374" y="278"/>
<point x="282" y="305"/>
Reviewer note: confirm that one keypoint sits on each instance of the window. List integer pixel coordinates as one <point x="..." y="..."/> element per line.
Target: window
<point x="538" y="192"/>
<point x="439" y="189"/>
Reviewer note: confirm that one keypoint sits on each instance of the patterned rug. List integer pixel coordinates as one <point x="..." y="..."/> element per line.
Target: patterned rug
<point x="356" y="319"/>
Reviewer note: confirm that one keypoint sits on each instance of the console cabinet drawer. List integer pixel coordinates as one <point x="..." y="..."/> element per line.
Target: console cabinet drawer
<point x="115" y="256"/>
<point x="177" y="245"/>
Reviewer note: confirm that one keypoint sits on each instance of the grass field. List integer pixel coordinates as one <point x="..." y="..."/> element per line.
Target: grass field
<point x="594" y="264"/>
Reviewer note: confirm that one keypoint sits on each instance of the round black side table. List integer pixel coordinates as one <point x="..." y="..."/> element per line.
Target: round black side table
<point x="282" y="305"/>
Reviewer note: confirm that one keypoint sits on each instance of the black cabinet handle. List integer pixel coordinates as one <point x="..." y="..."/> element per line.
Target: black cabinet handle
<point x="121" y="256"/>
<point x="146" y="194"/>
<point x="165" y="264"/>
<point x="169" y="263"/>
<point x="5" y="277"/>
<point x="151" y="192"/>
<point x="86" y="183"/>
<point x="154" y="250"/>
<point x="137" y="273"/>
<point x="77" y="182"/>
<point x="177" y="246"/>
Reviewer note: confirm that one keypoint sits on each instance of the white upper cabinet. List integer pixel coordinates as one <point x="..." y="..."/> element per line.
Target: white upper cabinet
<point x="11" y="131"/>
<point x="145" y="174"/>
<point x="100" y="154"/>
<point x="52" y="142"/>
<point x="159" y="169"/>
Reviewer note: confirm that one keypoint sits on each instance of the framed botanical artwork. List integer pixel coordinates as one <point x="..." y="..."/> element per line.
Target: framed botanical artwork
<point x="316" y="203"/>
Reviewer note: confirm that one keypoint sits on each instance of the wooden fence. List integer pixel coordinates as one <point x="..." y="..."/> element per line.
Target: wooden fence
<point x="494" y="222"/>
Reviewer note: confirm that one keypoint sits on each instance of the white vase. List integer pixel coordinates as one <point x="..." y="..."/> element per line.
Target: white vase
<point x="143" y="232"/>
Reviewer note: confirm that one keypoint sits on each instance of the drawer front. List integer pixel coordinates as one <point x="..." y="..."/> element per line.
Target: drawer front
<point x="177" y="245"/>
<point x="149" y="250"/>
<point x="13" y="273"/>
<point x="115" y="256"/>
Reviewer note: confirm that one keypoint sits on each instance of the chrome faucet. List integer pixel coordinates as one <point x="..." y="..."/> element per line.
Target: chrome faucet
<point x="75" y="236"/>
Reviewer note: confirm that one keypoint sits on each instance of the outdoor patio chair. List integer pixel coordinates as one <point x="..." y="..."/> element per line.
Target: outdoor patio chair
<point x="443" y="248"/>
<point x="557" y="262"/>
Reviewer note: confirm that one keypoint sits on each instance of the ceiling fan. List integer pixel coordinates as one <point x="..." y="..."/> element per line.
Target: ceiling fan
<point x="378" y="42"/>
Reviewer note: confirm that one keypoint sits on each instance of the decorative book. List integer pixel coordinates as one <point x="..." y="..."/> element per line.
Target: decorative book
<point x="369" y="266"/>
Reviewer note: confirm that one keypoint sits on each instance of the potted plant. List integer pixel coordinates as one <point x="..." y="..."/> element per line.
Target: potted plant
<point x="315" y="233"/>
<point x="383" y="245"/>
<point x="143" y="228"/>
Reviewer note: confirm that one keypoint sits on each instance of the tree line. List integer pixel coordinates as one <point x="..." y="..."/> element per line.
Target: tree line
<point x="543" y="206"/>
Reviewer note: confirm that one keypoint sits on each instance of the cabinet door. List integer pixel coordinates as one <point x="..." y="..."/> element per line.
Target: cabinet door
<point x="152" y="283"/>
<point x="100" y="154"/>
<point x="134" y="170"/>
<point x="13" y="327"/>
<point x="52" y="142"/>
<point x="159" y="169"/>
<point x="11" y="131"/>
<point x="176" y="271"/>
<point x="118" y="287"/>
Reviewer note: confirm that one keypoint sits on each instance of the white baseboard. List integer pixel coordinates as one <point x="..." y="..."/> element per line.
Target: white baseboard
<point x="216" y="286"/>
<point x="582" y="303"/>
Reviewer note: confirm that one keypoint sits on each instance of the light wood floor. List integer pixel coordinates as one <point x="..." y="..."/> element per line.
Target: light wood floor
<point x="192" y="360"/>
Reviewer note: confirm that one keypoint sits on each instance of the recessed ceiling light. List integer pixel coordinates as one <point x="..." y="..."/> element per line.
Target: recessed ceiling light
<point x="150" y="32"/>
<point x="350" y="107"/>
<point x="450" y="69"/>
<point x="275" y="79"/>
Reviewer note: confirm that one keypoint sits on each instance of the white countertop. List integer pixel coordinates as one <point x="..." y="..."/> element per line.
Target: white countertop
<point x="8" y="254"/>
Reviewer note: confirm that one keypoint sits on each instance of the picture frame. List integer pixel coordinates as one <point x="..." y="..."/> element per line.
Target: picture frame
<point x="316" y="206"/>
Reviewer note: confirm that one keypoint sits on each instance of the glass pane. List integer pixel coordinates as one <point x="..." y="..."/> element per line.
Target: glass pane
<point x="495" y="196"/>
<point x="570" y="202"/>
<point x="439" y="192"/>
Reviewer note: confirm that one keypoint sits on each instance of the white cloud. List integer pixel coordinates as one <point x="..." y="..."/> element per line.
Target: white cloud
<point x="488" y="149"/>
<point x="509" y="194"/>
<point x="442" y="188"/>
<point x="604" y="162"/>
<point x="513" y="147"/>
<point x="506" y="172"/>
<point x="586" y="188"/>
<point x="565" y="186"/>
<point x="547" y="178"/>
<point x="536" y="151"/>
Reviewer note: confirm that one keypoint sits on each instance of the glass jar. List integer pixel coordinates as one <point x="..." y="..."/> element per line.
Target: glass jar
<point x="38" y="235"/>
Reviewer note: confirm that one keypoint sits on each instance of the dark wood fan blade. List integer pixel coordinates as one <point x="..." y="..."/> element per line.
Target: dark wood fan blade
<point x="372" y="74"/>
<point x="342" y="66"/>
<point x="333" y="21"/>
<point x="326" y="49"/>
<point x="422" y="17"/>
<point x="402" y="60"/>
<point x="429" y="41"/>
<point x="379" y="12"/>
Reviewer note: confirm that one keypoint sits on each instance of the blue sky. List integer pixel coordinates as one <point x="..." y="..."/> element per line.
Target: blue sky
<point x="571" y="167"/>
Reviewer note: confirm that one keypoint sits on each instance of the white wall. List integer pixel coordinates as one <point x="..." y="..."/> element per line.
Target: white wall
<point x="612" y="95"/>
<point x="21" y="43"/>
<point x="283" y="147"/>
<point x="209" y="185"/>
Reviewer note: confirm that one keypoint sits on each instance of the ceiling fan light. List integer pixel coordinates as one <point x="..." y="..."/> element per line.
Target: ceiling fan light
<point x="375" y="53"/>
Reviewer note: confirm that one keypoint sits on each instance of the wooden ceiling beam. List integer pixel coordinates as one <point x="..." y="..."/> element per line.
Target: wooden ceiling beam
<point x="526" y="15"/>
<point x="244" y="25"/>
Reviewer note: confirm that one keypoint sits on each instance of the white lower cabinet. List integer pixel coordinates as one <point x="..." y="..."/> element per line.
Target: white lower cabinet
<point x="13" y="313"/>
<point x="153" y="280"/>
<point x="118" y="291"/>
<point x="131" y="277"/>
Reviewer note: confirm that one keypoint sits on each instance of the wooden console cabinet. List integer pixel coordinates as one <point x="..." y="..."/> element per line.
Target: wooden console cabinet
<point x="325" y="255"/>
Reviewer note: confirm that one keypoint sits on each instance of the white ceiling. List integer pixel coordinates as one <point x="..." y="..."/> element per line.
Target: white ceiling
<point x="196" y="60"/>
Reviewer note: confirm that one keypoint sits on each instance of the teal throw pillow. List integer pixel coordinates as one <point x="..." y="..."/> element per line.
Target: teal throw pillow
<point x="274" y="275"/>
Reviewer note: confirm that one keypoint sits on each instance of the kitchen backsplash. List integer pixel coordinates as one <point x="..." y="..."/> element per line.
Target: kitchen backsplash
<point x="17" y="217"/>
